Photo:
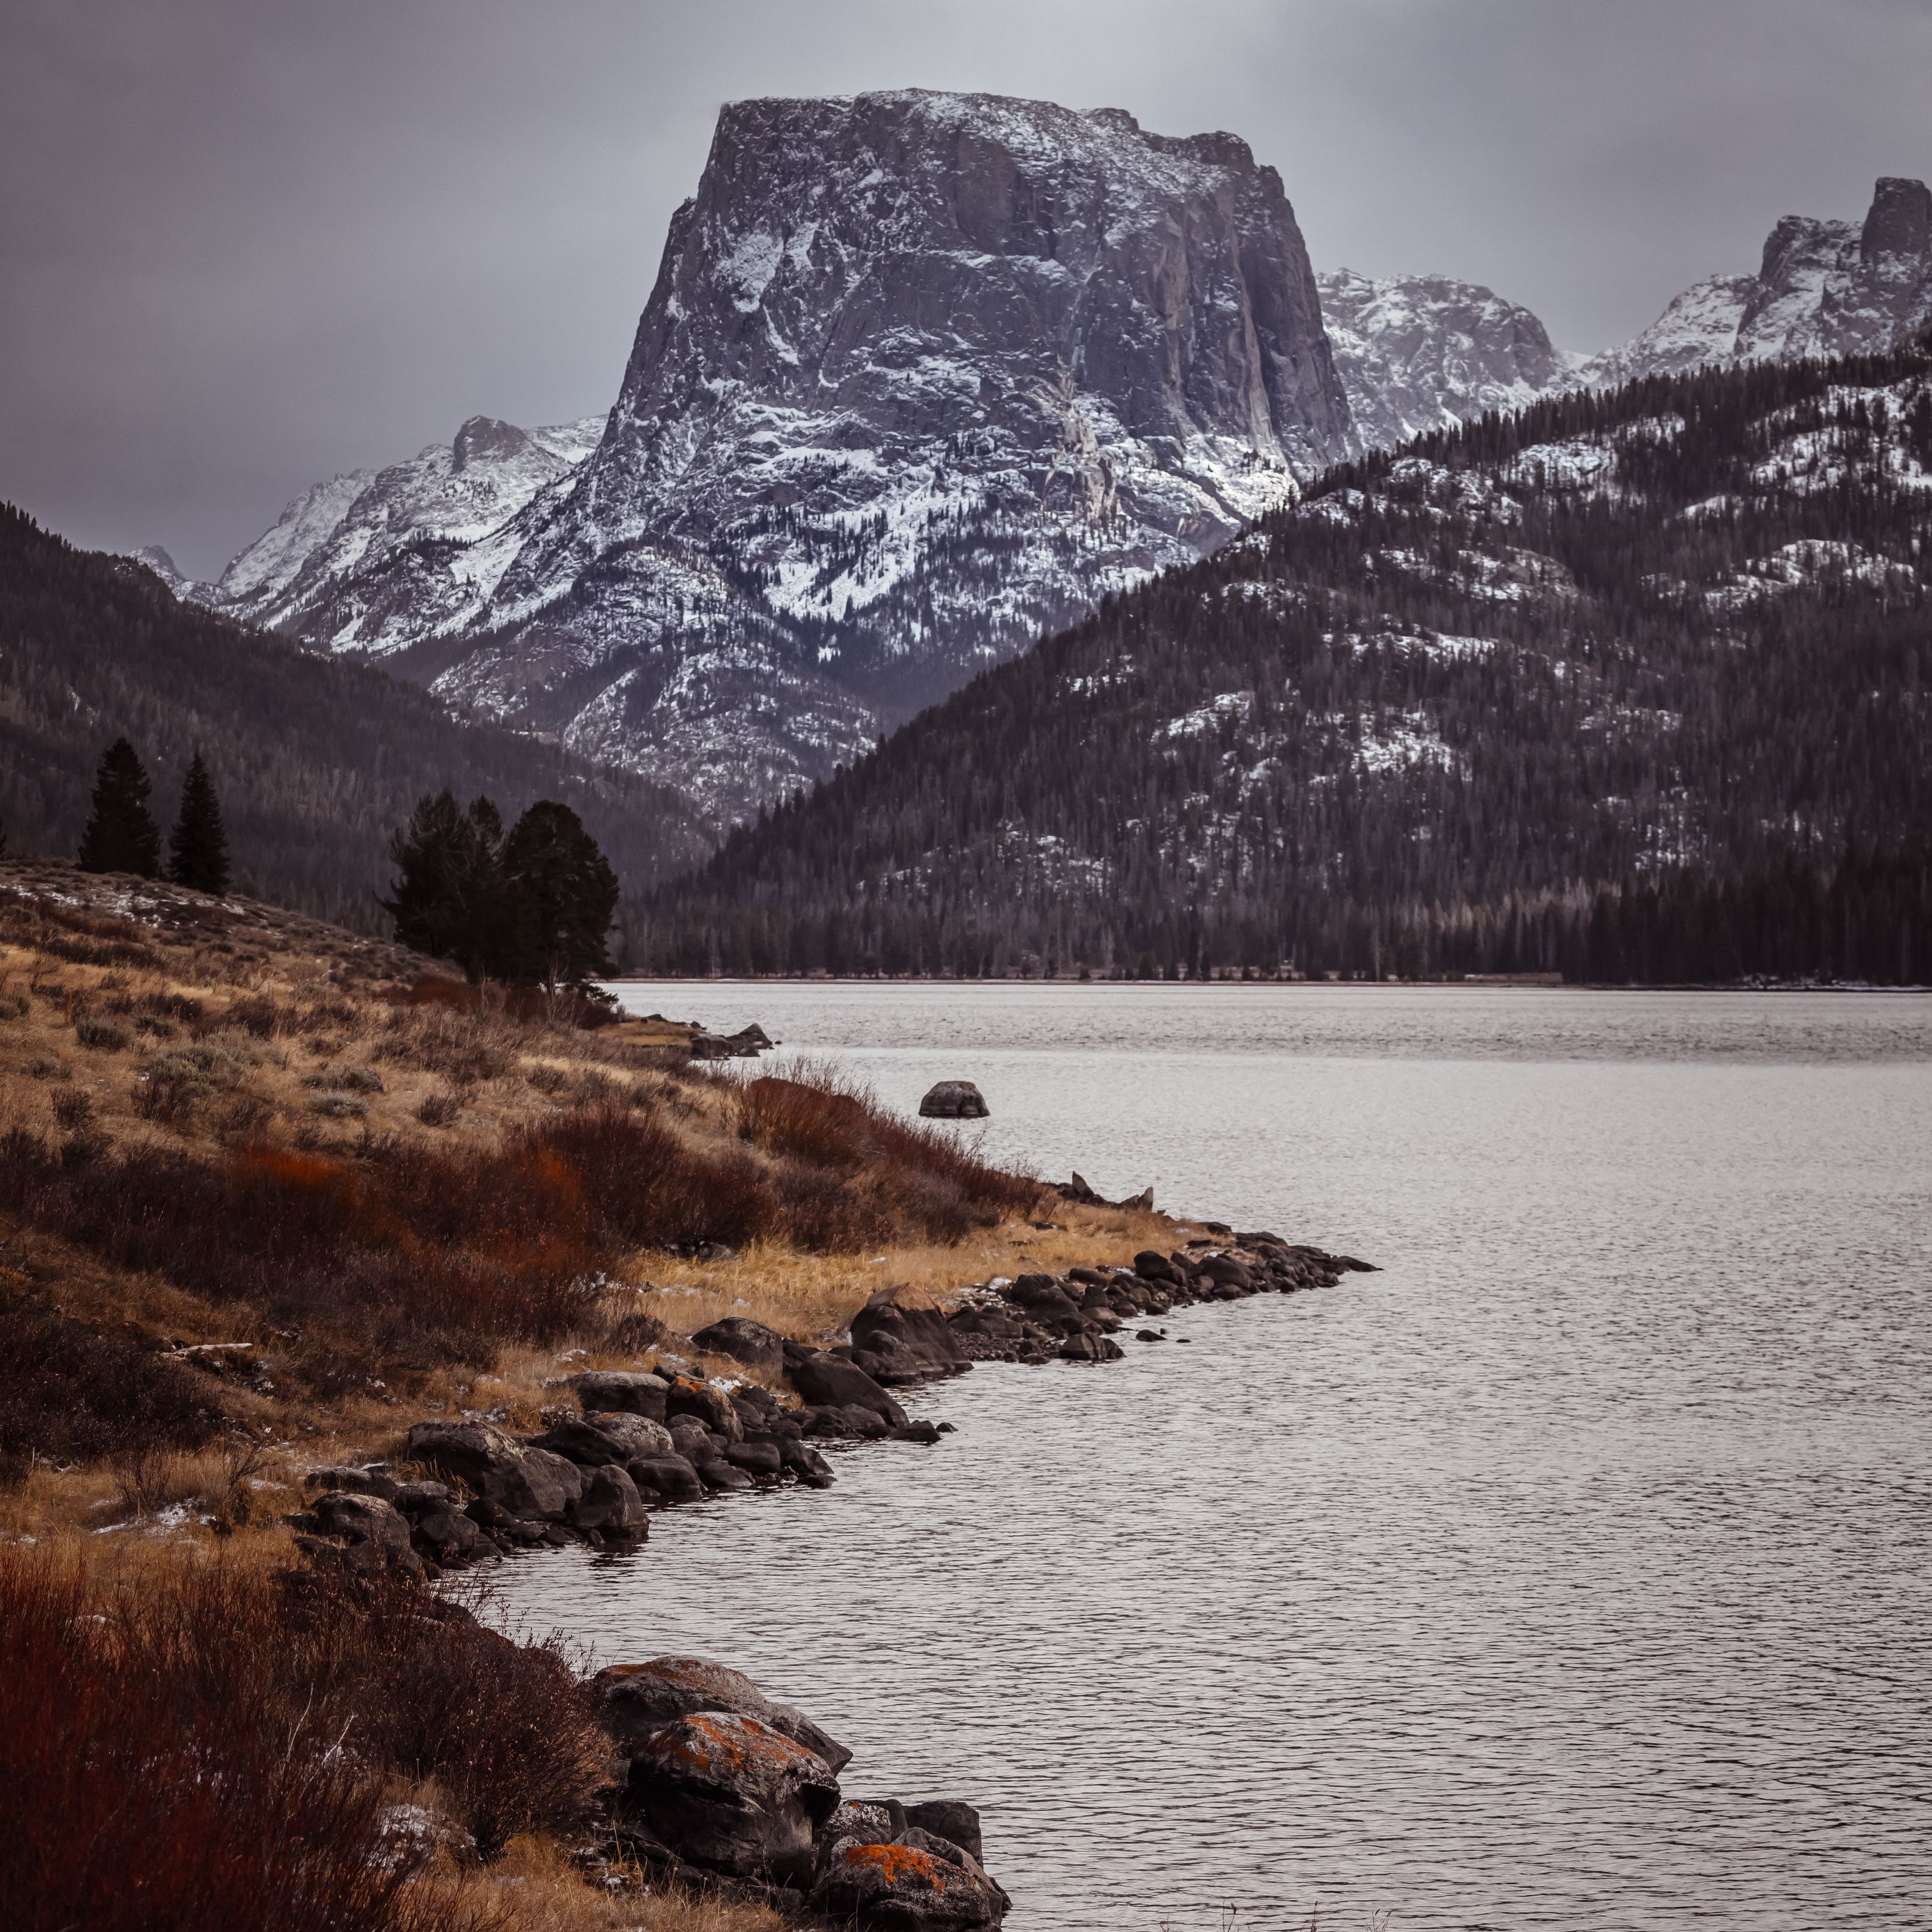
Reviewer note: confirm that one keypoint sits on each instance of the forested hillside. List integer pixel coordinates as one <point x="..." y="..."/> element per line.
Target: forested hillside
<point x="315" y="760"/>
<point x="1625" y="685"/>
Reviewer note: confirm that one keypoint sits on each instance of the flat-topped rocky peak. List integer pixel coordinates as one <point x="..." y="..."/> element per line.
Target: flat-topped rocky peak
<point x="1898" y="225"/>
<point x="923" y="376"/>
<point x="931" y="261"/>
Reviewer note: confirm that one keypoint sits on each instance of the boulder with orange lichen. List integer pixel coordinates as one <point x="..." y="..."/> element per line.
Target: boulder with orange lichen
<point x="734" y="1795"/>
<point x="921" y="1883"/>
<point x="636" y="1700"/>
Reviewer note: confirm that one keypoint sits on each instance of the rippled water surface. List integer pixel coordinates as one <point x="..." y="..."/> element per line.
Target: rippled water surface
<point x="1574" y="1571"/>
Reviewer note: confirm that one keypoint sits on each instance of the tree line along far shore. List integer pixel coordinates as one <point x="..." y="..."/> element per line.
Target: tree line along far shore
<point x="532" y="905"/>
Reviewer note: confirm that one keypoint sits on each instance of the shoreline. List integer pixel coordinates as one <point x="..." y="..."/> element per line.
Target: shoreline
<point x="692" y="1734"/>
<point x="1473" y="983"/>
<point x="271" y="1189"/>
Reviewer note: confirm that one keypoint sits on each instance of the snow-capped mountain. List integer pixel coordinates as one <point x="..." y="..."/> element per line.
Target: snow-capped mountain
<point x="1824" y="288"/>
<point x="1421" y="352"/>
<point x="923" y="377"/>
<point x="1417" y="352"/>
<point x="374" y="561"/>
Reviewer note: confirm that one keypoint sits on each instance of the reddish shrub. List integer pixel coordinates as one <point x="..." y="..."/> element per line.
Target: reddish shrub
<point x="506" y="1730"/>
<point x="67" y="1393"/>
<point x="526" y="1005"/>
<point x="156" y="1771"/>
<point x="900" y="1178"/>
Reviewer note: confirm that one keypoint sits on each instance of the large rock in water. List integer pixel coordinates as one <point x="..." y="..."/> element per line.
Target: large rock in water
<point x="921" y="1883"/>
<point x="954" y="1100"/>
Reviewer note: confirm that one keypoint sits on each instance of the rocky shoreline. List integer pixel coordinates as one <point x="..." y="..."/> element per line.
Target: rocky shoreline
<point x="718" y="1788"/>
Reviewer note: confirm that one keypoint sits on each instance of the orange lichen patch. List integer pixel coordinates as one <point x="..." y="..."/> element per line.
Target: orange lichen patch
<point x="896" y="1864"/>
<point x="713" y="1740"/>
<point x="698" y="1674"/>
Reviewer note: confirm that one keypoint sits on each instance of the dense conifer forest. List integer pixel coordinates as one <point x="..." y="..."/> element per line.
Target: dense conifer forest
<point x="1626" y="686"/>
<point x="315" y="761"/>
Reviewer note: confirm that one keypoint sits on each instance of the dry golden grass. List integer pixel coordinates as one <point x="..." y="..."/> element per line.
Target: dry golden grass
<point x="808" y="1297"/>
<point x="535" y="1887"/>
<point x="144" y="1018"/>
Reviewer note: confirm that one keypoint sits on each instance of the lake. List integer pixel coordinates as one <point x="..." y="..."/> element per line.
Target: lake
<point x="1575" y="1570"/>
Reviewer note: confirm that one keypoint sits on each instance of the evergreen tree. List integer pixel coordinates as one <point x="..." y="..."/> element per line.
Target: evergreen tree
<point x="198" y="846"/>
<point x="121" y="836"/>
<point x="448" y="898"/>
<point x="562" y="896"/>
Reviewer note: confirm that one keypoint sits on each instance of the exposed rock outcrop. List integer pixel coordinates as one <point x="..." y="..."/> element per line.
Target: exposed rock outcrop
<point x="1822" y="288"/>
<point x="1419" y="352"/>
<point x="893" y="336"/>
<point x="725" y="1790"/>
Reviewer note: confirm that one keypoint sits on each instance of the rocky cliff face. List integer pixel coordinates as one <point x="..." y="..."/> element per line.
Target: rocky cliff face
<point x="922" y="375"/>
<point x="1419" y="352"/>
<point x="1823" y="288"/>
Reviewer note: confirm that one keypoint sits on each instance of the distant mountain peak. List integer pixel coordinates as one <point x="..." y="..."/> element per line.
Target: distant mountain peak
<point x="922" y="375"/>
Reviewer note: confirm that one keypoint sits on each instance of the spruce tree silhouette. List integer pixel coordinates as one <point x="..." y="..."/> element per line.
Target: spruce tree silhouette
<point x="121" y="837"/>
<point x="561" y="894"/>
<point x="198" y="846"/>
<point x="447" y="897"/>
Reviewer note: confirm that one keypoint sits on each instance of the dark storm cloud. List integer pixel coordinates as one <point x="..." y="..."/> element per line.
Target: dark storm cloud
<point x="245" y="244"/>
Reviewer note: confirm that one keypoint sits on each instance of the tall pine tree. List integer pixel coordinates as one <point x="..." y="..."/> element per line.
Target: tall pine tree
<point x="562" y="895"/>
<point x="198" y="846"/>
<point x="121" y="836"/>
<point x="447" y="899"/>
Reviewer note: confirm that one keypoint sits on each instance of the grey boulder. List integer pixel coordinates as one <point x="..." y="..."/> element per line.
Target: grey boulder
<point x="897" y="1345"/>
<point x="628" y="1391"/>
<point x="954" y="1100"/>
<point x="526" y="1482"/>
<point x="593" y="1440"/>
<point x="609" y="1505"/>
<point x="674" y="1477"/>
<point x="829" y="1382"/>
<point x="751" y="1342"/>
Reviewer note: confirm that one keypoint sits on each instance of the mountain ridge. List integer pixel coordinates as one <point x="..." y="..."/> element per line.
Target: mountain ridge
<point x="817" y="504"/>
<point x="317" y="760"/>
<point x="1625" y="684"/>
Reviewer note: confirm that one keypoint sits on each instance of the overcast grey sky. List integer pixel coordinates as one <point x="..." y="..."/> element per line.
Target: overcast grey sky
<point x="247" y="244"/>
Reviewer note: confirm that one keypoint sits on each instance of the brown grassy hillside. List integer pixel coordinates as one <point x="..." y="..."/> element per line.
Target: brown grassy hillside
<point x="269" y="1191"/>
